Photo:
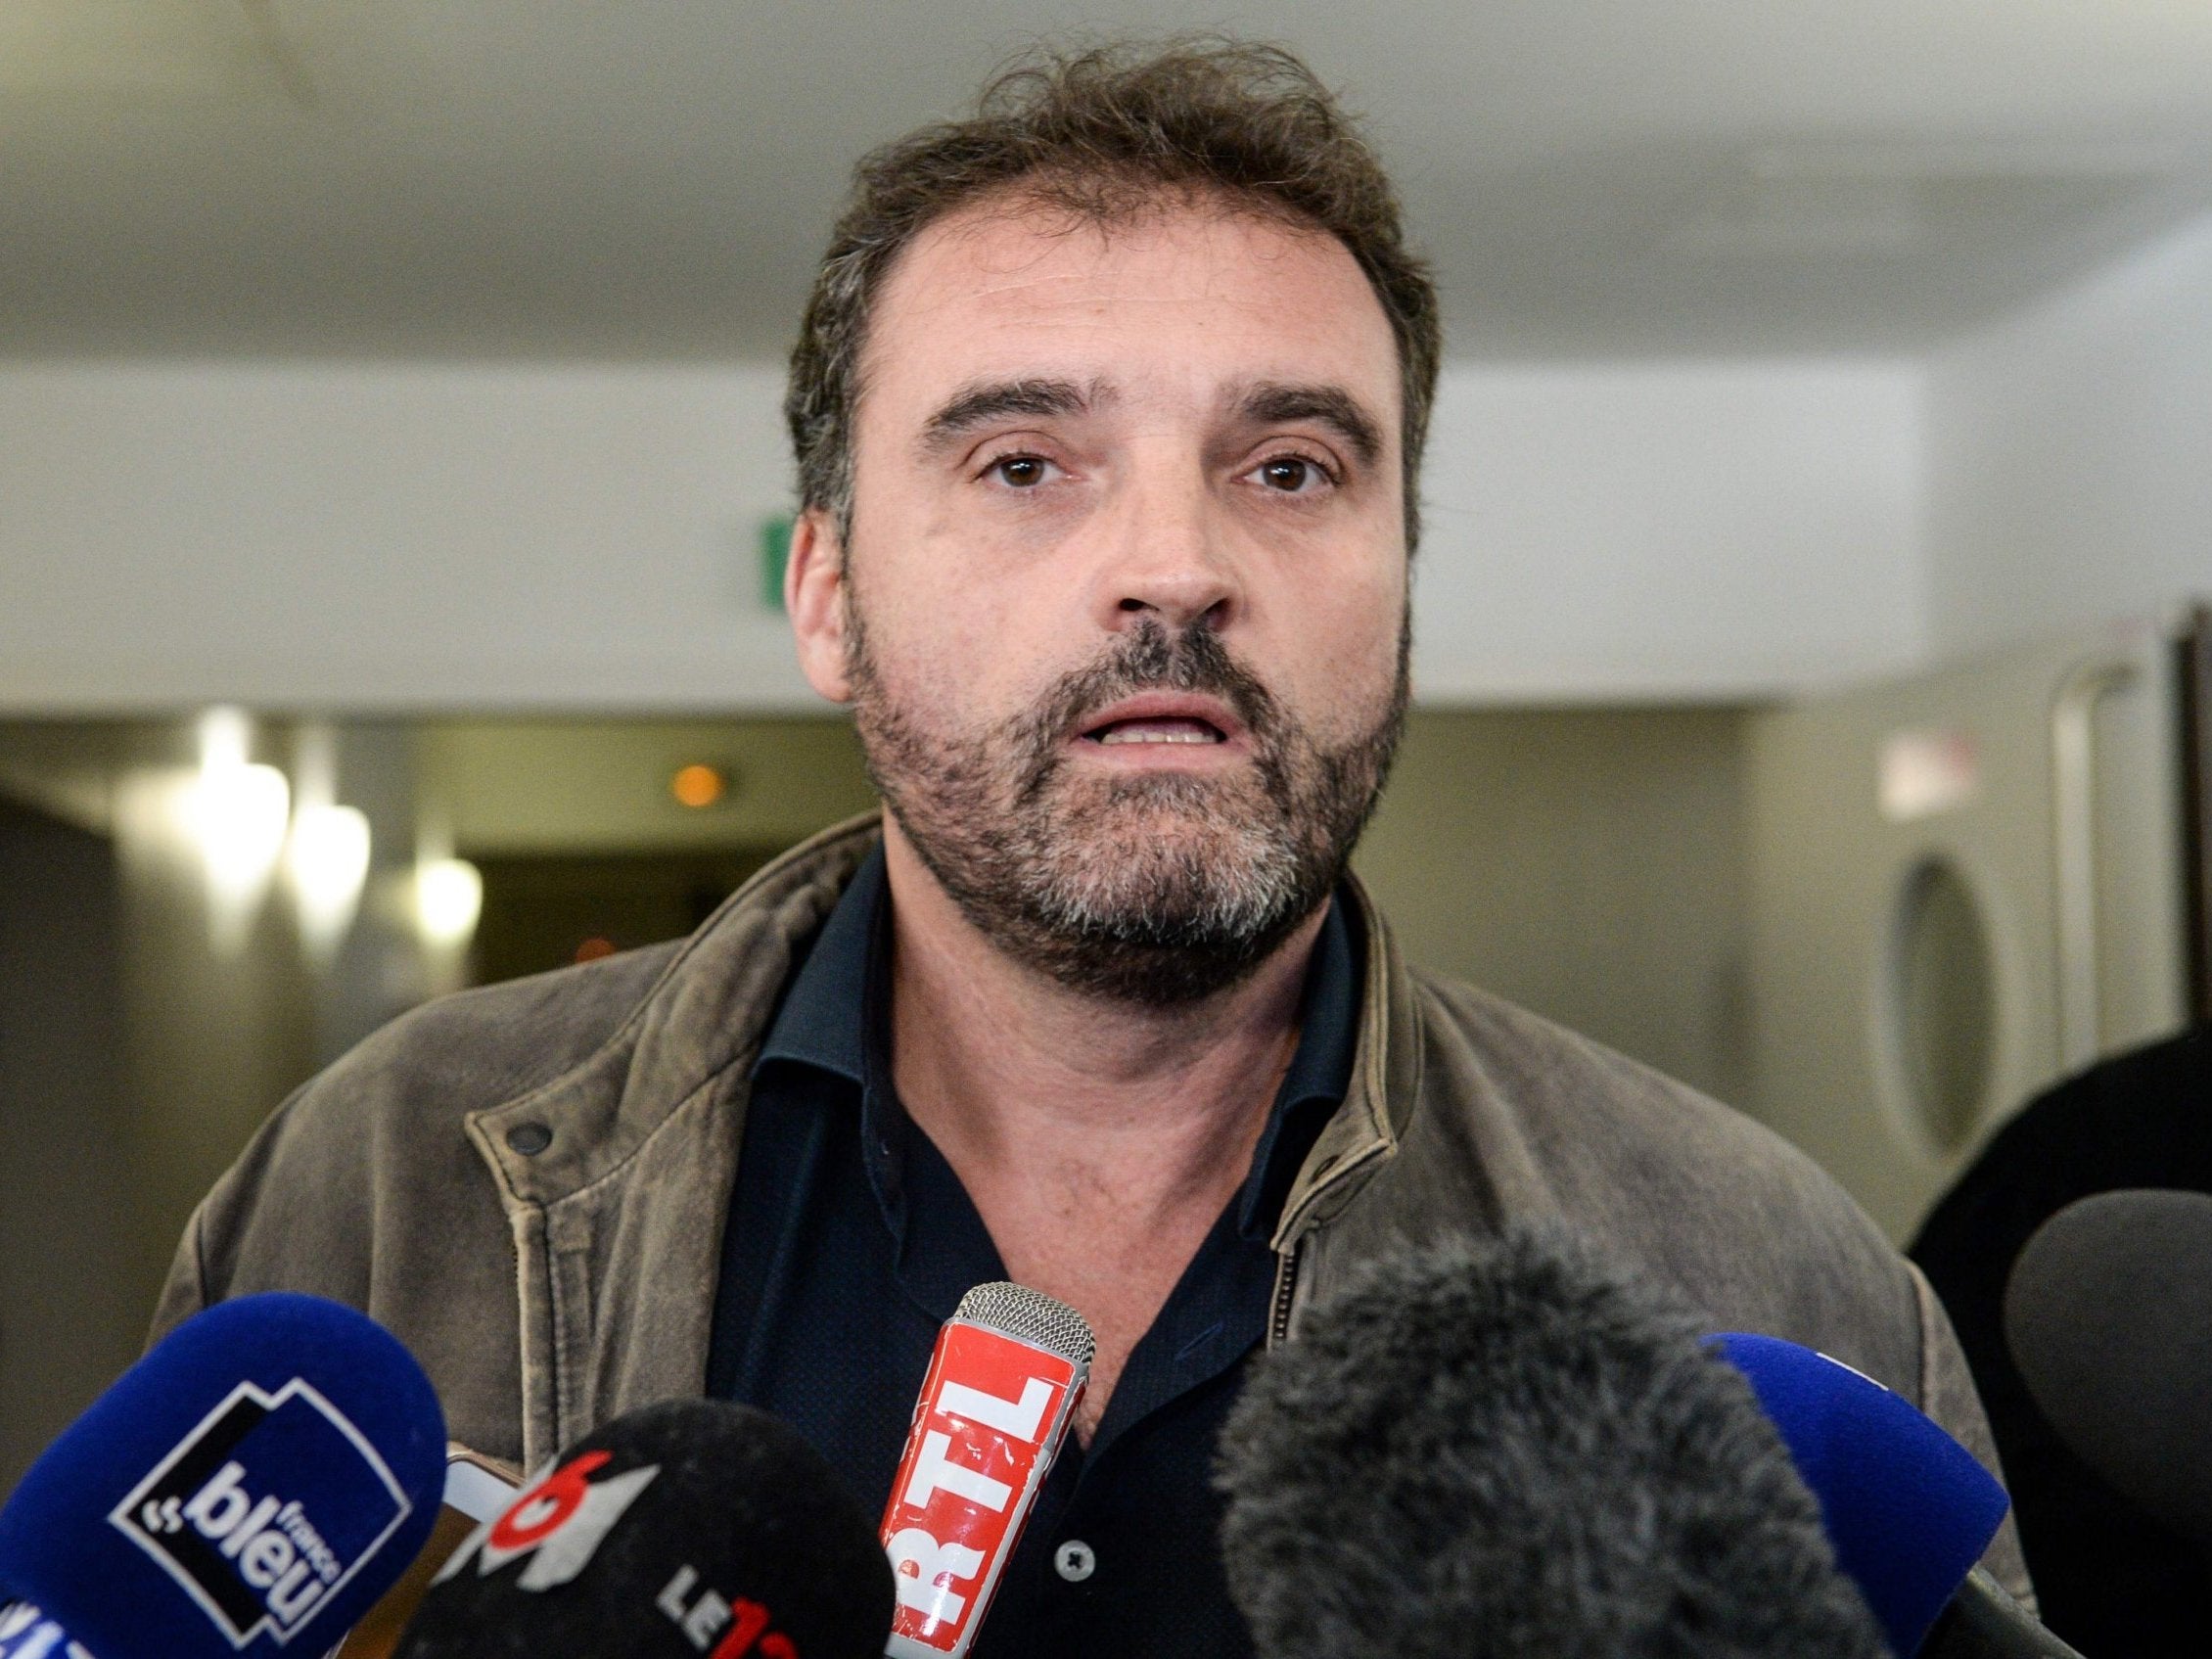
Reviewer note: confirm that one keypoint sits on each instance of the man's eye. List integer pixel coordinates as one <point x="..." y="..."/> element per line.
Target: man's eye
<point x="1023" y="472"/>
<point x="1293" y="475"/>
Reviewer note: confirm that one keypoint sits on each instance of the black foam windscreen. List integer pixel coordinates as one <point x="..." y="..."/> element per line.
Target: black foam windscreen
<point x="2108" y="1313"/>
<point x="685" y="1528"/>
<point x="1513" y="1449"/>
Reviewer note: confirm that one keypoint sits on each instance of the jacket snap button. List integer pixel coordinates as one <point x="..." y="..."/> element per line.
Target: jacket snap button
<point x="1074" y="1560"/>
<point x="530" y="1140"/>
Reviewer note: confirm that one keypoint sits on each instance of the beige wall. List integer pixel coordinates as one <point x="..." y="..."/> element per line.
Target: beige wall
<point x="1586" y="864"/>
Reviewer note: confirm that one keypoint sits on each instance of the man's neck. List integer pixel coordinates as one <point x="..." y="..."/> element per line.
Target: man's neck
<point x="1099" y="1140"/>
<point x="1018" y="1071"/>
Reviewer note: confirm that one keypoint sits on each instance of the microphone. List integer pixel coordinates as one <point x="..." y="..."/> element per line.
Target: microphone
<point x="250" y="1487"/>
<point x="2109" y="1314"/>
<point x="1908" y="1509"/>
<point x="994" y="1409"/>
<point x="1511" y="1448"/>
<point x="689" y="1527"/>
<point x="478" y="1488"/>
<point x="27" y="1634"/>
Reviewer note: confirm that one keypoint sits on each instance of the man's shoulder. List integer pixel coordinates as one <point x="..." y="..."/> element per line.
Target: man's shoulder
<point x="370" y="1165"/>
<point x="1518" y="1118"/>
<point x="1521" y="1117"/>
<point x="376" y="1142"/>
<point x="364" y="1187"/>
<point x="1563" y="1093"/>
<point x="383" y="1128"/>
<point x="482" y="1048"/>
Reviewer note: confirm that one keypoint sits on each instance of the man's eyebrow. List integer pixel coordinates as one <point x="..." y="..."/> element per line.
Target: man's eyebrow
<point x="1331" y="405"/>
<point x="977" y="405"/>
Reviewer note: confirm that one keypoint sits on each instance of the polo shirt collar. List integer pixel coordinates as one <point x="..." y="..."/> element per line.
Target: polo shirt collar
<point x="1319" y="1075"/>
<point x="823" y="1020"/>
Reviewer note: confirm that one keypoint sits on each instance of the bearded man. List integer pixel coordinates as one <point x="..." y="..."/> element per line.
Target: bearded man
<point x="1108" y="406"/>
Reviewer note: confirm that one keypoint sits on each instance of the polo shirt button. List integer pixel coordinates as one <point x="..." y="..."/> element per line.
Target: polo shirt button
<point x="530" y="1140"/>
<point x="1074" y="1560"/>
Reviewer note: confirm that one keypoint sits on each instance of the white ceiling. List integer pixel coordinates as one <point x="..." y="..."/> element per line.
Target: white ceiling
<point x="654" y="177"/>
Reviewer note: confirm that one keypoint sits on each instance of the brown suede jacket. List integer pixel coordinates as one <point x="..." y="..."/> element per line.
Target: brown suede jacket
<point x="528" y="1182"/>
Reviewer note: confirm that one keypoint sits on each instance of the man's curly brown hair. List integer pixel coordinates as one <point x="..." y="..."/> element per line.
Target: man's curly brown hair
<point x="1100" y="134"/>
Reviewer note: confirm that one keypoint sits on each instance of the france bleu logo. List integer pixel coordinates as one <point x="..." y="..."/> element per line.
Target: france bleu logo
<point x="265" y="1509"/>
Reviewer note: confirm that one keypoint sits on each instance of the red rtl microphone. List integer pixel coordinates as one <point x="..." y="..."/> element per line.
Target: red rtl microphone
<point x="994" y="1412"/>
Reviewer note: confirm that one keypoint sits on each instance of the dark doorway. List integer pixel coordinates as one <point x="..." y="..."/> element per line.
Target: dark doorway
<point x="547" y="910"/>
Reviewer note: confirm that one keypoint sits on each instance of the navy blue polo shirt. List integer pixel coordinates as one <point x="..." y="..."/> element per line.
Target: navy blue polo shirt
<point x="851" y="1241"/>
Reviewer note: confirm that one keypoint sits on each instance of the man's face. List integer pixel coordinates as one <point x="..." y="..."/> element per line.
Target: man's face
<point x="1123" y="609"/>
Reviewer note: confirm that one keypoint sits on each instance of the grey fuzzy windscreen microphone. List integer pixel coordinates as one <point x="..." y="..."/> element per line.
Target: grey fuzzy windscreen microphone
<point x="1510" y="1449"/>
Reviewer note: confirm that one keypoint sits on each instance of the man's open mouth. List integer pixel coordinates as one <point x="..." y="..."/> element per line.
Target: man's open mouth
<point x="1178" y="717"/>
<point x="1157" y="730"/>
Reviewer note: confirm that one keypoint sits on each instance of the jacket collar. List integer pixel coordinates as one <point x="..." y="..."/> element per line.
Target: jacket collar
<point x="710" y="1012"/>
<point x="706" y="1015"/>
<point x="1385" y="1080"/>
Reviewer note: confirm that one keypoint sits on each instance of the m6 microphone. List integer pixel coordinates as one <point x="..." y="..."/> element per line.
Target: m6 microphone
<point x="2109" y="1314"/>
<point x="1512" y="1449"/>
<point x="684" y="1528"/>
<point x="1907" y="1509"/>
<point x="250" y="1487"/>
<point x="994" y="1409"/>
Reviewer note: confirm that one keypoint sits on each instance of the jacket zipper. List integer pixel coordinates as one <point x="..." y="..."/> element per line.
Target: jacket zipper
<point x="1286" y="1279"/>
<point x="1286" y="1259"/>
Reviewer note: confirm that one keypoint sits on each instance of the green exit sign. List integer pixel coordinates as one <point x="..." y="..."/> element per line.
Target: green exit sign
<point x="775" y="554"/>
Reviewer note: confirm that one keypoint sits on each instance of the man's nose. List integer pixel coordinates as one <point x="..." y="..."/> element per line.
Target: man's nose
<point x="1166" y="561"/>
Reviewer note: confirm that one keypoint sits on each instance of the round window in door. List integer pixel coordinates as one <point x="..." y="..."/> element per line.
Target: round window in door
<point x="1941" y="997"/>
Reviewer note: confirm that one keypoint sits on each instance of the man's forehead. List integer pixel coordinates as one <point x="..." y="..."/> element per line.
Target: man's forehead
<point x="1195" y="302"/>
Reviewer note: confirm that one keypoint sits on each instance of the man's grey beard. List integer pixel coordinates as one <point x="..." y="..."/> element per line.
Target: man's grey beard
<point x="1152" y="889"/>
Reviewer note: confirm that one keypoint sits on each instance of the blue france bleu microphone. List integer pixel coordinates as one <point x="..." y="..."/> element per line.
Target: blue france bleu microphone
<point x="1908" y="1509"/>
<point x="246" y="1491"/>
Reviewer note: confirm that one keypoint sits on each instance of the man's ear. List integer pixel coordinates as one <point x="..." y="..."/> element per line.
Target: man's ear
<point x="813" y="597"/>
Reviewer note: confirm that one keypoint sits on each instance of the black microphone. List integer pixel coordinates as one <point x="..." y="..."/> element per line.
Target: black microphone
<point x="687" y="1528"/>
<point x="1982" y="1621"/>
<point x="1515" y="1449"/>
<point x="2109" y="1314"/>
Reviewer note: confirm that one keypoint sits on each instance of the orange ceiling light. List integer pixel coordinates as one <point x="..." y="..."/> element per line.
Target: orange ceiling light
<point x="698" y="786"/>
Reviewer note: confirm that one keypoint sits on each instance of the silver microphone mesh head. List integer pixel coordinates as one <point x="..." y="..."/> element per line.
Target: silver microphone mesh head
<point x="1042" y="1321"/>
